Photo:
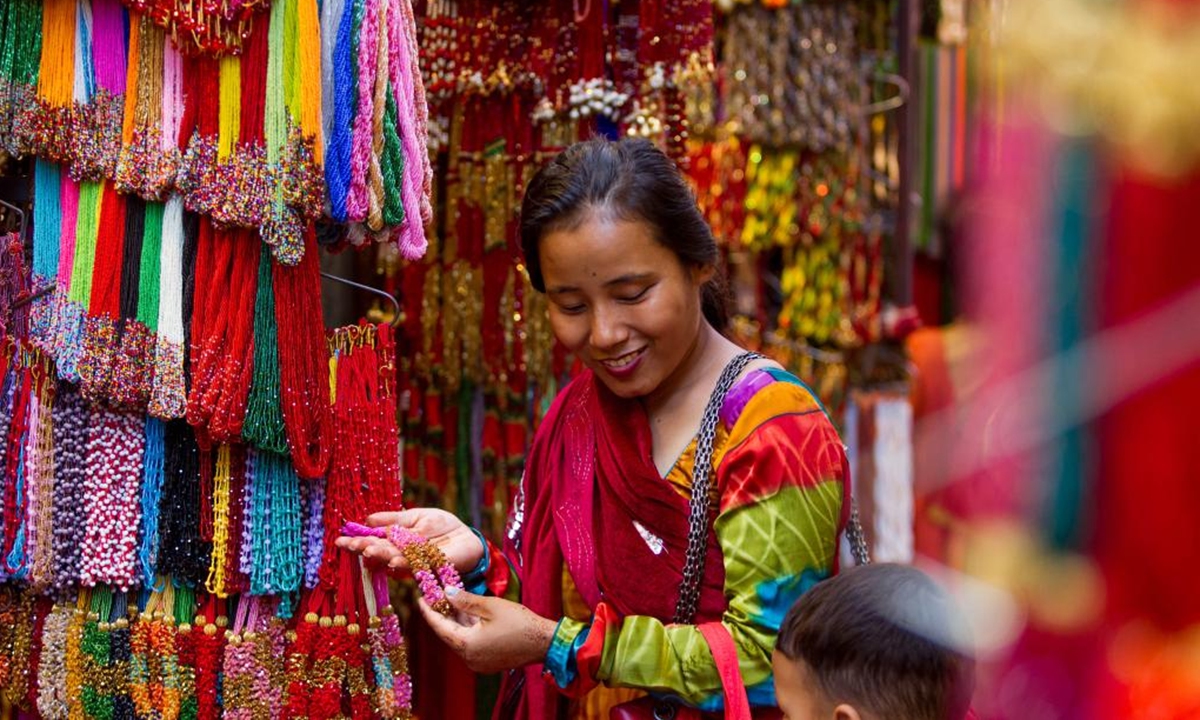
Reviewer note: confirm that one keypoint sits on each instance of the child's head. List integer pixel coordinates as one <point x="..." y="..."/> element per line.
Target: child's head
<point x="875" y="642"/>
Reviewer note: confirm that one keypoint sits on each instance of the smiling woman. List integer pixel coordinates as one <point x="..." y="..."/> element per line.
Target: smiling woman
<point x="680" y="492"/>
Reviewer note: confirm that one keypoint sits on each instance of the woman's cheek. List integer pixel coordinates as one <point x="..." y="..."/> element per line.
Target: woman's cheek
<point x="570" y="330"/>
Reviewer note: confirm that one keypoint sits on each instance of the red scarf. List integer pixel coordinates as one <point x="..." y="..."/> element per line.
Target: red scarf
<point x="591" y="468"/>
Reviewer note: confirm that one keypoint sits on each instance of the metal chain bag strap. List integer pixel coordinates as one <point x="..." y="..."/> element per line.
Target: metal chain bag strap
<point x="699" y="524"/>
<point x="699" y="512"/>
<point x="856" y="537"/>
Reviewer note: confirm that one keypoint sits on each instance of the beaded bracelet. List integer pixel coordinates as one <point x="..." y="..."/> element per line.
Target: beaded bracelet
<point x="429" y="564"/>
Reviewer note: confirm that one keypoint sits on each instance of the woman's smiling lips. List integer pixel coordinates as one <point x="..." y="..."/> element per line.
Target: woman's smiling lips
<point x="623" y="365"/>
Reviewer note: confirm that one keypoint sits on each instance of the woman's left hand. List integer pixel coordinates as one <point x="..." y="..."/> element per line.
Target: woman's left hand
<point x="491" y="634"/>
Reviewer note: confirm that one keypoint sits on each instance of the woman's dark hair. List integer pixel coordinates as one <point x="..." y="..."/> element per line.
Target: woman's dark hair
<point x="631" y="180"/>
<point x="886" y="639"/>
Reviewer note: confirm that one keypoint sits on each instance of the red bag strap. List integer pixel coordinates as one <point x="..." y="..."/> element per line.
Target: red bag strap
<point x="720" y="642"/>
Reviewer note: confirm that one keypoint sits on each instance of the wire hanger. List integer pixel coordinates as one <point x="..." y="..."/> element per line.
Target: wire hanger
<point x="896" y="101"/>
<point x="373" y="290"/>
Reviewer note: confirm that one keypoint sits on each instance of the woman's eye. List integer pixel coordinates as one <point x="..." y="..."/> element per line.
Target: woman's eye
<point x="571" y="309"/>
<point x="635" y="297"/>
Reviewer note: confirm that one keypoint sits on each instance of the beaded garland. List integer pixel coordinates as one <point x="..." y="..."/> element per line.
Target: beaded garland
<point x="275" y="560"/>
<point x="133" y="376"/>
<point x="314" y="530"/>
<point x="215" y="583"/>
<point x="222" y="336"/>
<point x="46" y="227"/>
<point x="208" y="642"/>
<point x="434" y="573"/>
<point x="364" y="476"/>
<point x="83" y="230"/>
<point x="182" y="553"/>
<point x="16" y="645"/>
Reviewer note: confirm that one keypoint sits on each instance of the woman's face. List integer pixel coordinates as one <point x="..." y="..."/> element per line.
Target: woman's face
<point x="621" y="301"/>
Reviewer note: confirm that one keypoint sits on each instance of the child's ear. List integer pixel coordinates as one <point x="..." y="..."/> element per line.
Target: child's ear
<point x="845" y="712"/>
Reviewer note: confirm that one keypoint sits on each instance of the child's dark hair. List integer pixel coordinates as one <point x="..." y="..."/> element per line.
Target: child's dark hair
<point x="631" y="179"/>
<point x="886" y="640"/>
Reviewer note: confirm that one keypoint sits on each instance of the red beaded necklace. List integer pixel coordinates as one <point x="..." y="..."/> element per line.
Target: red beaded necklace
<point x="303" y="361"/>
<point x="223" y="334"/>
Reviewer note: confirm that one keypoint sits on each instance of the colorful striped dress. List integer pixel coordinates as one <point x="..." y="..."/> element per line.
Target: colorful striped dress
<point x="781" y="477"/>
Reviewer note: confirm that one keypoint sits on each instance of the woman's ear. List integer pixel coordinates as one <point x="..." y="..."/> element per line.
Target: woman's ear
<point x="845" y="712"/>
<point x="702" y="274"/>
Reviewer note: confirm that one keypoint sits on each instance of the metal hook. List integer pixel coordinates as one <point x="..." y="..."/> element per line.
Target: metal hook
<point x="893" y="103"/>
<point x="20" y="214"/>
<point x="374" y="291"/>
<point x="33" y="296"/>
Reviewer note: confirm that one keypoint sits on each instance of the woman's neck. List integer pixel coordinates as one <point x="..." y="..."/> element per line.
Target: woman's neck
<point x="696" y="373"/>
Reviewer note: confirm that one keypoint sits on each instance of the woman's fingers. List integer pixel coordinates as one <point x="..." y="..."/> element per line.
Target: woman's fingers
<point x="450" y="632"/>
<point x="383" y="519"/>
<point x="374" y="551"/>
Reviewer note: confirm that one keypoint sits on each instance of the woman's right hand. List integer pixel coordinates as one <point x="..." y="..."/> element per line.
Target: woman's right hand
<point x="451" y="535"/>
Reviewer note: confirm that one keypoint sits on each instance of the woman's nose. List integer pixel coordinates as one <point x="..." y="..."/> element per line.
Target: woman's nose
<point x="608" y="329"/>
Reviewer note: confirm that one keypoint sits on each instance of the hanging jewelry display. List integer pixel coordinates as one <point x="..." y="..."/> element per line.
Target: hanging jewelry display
<point x="42" y="127"/>
<point x="365" y="474"/>
<point x="96" y="119"/>
<point x="212" y="27"/>
<point x="222" y="352"/>
<point x="253" y="669"/>
<point x="797" y="77"/>
<point x="20" y="61"/>
<point x="149" y="155"/>
<point x="303" y="363"/>
<point x="183" y="396"/>
<point x="47" y="226"/>
<point x="52" y="700"/>
<point x="389" y="655"/>
<point x="167" y="395"/>
<point x="112" y="483"/>
<point x="37" y="566"/>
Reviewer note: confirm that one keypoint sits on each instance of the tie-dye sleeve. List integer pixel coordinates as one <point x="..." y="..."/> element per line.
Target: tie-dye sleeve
<point x="781" y="472"/>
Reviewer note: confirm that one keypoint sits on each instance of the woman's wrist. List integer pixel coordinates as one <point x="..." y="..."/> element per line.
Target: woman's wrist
<point x="566" y="636"/>
<point x="475" y="577"/>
